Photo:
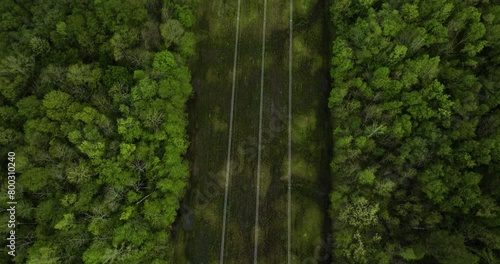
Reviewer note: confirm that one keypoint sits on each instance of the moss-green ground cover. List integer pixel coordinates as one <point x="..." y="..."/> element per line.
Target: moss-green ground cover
<point x="198" y="233"/>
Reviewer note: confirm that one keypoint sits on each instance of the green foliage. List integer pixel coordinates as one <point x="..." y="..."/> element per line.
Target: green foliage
<point x="94" y="254"/>
<point x="66" y="223"/>
<point x="413" y="253"/>
<point x="92" y="100"/>
<point x="56" y="103"/>
<point x="186" y="16"/>
<point x="164" y="62"/>
<point x="171" y="32"/>
<point x="447" y="248"/>
<point x="45" y="255"/>
<point x="29" y="107"/>
<point x="360" y="214"/>
<point x="412" y="102"/>
<point x="367" y="177"/>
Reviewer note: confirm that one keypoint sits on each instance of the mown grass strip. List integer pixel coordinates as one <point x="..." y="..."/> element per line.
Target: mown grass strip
<point x="230" y="137"/>
<point x="259" y="151"/>
<point x="290" y="80"/>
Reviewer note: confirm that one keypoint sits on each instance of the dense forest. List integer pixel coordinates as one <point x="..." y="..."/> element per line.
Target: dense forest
<point x="92" y="102"/>
<point x="93" y="118"/>
<point x="416" y="119"/>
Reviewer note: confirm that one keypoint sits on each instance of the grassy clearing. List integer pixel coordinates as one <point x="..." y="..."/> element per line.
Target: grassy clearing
<point x="303" y="128"/>
<point x="218" y="121"/>
<point x="265" y="181"/>
<point x="304" y="8"/>
<point x="303" y="170"/>
<point x="209" y="118"/>
<point x="304" y="50"/>
<point x="209" y="112"/>
<point x="311" y="133"/>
